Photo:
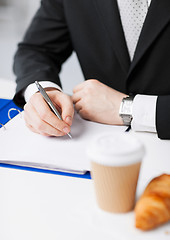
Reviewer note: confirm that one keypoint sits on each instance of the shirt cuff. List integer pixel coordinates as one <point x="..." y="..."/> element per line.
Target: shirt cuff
<point x="32" y="88"/>
<point x="144" y="113"/>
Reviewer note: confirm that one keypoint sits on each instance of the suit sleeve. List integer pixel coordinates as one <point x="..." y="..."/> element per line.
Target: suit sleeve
<point x="46" y="45"/>
<point x="163" y="117"/>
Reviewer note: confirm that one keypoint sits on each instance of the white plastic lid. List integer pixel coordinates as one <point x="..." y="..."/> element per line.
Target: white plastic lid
<point x="115" y="149"/>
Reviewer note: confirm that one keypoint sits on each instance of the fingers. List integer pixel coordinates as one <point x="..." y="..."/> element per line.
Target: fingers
<point x="86" y="84"/>
<point x="78" y="87"/>
<point x="76" y="97"/>
<point x="85" y="90"/>
<point x="79" y="106"/>
<point x="37" y="125"/>
<point x="33" y="130"/>
<point x="48" y="116"/>
<point x="84" y="114"/>
<point x="40" y="119"/>
<point x="64" y="102"/>
<point x="79" y="97"/>
<point x="67" y="109"/>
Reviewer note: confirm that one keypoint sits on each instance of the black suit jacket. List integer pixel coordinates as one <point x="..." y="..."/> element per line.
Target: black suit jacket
<point x="92" y="28"/>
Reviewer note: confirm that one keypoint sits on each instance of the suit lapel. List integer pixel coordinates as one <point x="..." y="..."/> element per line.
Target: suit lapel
<point x="108" y="11"/>
<point x="157" y="18"/>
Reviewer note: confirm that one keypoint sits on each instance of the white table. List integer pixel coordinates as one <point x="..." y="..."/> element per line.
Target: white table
<point x="43" y="206"/>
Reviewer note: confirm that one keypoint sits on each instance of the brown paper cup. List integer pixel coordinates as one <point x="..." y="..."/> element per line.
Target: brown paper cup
<point x="115" y="187"/>
<point x="115" y="165"/>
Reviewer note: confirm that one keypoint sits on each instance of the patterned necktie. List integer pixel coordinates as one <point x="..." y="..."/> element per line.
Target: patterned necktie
<point x="132" y="14"/>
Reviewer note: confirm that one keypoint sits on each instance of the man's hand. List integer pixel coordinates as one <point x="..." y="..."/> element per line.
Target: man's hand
<point x="40" y="119"/>
<point x="97" y="102"/>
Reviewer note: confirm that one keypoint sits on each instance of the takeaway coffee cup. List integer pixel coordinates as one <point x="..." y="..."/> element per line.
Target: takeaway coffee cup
<point x="115" y="164"/>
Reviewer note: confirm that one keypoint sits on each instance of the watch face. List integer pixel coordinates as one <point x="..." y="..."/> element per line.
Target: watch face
<point x="127" y="107"/>
<point x="126" y="110"/>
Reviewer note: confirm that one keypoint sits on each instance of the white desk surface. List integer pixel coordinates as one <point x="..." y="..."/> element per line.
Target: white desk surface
<point x="43" y="206"/>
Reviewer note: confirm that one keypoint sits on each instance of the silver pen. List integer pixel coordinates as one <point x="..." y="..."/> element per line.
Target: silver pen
<point x="49" y="102"/>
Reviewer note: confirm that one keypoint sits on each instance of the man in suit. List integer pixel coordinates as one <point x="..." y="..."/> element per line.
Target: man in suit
<point x="116" y="59"/>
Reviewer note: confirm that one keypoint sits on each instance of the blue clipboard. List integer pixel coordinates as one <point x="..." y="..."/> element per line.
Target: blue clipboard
<point x="5" y="106"/>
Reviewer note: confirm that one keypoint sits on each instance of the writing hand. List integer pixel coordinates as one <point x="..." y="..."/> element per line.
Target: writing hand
<point x="40" y="119"/>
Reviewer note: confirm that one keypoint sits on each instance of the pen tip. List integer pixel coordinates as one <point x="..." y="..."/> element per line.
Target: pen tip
<point x="69" y="135"/>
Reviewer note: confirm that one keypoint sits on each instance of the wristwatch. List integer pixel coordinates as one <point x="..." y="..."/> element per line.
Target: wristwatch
<point x="125" y="111"/>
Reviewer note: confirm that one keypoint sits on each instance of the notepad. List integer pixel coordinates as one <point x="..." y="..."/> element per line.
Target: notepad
<point x="20" y="146"/>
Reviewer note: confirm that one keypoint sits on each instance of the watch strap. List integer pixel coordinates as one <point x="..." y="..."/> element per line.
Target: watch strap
<point x="126" y="115"/>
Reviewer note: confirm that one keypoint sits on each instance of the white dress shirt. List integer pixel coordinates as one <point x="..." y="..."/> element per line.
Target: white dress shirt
<point x="144" y="106"/>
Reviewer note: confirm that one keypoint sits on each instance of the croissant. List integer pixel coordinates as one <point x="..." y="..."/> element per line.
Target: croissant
<point x="153" y="207"/>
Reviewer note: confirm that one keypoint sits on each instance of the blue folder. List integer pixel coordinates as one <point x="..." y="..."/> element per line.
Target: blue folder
<point x="5" y="105"/>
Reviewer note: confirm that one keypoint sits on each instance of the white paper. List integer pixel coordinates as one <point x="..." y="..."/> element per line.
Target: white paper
<point x="18" y="145"/>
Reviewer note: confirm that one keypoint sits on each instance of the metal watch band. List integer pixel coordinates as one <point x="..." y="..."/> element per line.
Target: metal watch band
<point x="127" y="119"/>
<point x="125" y="111"/>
